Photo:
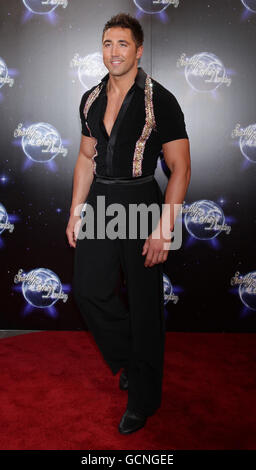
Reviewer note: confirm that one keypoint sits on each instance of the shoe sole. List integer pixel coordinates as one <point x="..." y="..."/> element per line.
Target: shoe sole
<point x="131" y="430"/>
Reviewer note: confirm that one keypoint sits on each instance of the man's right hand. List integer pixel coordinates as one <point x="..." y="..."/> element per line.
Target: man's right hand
<point x="83" y="177"/>
<point x="73" y="229"/>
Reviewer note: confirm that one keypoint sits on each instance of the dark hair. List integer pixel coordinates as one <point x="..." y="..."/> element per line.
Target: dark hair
<point x="124" y="20"/>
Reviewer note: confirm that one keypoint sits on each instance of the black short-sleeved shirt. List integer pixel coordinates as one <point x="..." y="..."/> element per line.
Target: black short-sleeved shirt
<point x="150" y="116"/>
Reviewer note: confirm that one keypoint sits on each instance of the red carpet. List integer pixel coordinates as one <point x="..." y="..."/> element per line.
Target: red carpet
<point x="58" y="393"/>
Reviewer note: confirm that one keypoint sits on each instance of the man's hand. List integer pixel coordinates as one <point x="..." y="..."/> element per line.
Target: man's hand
<point x="83" y="177"/>
<point x="73" y="229"/>
<point x="156" y="249"/>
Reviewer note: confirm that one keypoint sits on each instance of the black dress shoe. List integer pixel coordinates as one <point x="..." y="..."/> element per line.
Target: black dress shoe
<point x="123" y="380"/>
<point x="131" y="421"/>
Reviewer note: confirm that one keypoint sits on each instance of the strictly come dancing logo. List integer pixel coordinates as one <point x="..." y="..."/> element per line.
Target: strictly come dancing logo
<point x="41" y="142"/>
<point x="246" y="141"/>
<point x="169" y="291"/>
<point x="152" y="7"/>
<point x="40" y="287"/>
<point x="4" y="220"/>
<point x="204" y="71"/>
<point x="90" y="69"/>
<point x="246" y="288"/>
<point x="5" y="79"/>
<point x="175" y="3"/>
<point x="205" y="220"/>
<point x="44" y="7"/>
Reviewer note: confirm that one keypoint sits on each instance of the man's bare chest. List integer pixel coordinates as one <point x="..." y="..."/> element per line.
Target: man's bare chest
<point x="112" y="110"/>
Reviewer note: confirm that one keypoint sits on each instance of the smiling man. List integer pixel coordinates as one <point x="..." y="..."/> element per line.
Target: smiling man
<point x="126" y="120"/>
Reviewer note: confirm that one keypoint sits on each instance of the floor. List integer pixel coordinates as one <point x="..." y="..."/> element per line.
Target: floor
<point x="6" y="333"/>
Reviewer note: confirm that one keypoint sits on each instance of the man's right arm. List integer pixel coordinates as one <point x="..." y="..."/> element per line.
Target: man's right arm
<point x="83" y="177"/>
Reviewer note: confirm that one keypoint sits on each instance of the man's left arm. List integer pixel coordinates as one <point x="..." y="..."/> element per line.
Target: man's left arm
<point x="177" y="156"/>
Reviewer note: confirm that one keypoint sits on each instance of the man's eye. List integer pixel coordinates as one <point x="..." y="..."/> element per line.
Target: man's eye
<point x="125" y="45"/>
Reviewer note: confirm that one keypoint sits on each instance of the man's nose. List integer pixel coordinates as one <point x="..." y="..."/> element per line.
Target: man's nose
<point x="115" y="50"/>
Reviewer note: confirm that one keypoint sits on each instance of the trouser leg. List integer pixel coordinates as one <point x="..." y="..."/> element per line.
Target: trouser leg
<point x="146" y="309"/>
<point x="146" y="305"/>
<point x="96" y="274"/>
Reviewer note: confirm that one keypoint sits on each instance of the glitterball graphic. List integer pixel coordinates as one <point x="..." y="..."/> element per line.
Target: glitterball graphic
<point x="247" y="143"/>
<point x="91" y="70"/>
<point x="151" y="6"/>
<point x="204" y="219"/>
<point x="42" y="142"/>
<point x="3" y="218"/>
<point x="168" y="289"/>
<point x="205" y="72"/>
<point x="3" y="72"/>
<point x="247" y="290"/>
<point x="250" y="5"/>
<point x="42" y="288"/>
<point x="40" y="7"/>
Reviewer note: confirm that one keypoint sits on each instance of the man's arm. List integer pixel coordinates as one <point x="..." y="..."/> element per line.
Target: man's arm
<point x="177" y="157"/>
<point x="83" y="177"/>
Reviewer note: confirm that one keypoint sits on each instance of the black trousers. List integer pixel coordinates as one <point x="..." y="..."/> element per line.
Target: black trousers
<point x="130" y="335"/>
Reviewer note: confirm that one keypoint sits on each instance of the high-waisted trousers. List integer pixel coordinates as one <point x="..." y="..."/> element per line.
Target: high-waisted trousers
<point x="128" y="334"/>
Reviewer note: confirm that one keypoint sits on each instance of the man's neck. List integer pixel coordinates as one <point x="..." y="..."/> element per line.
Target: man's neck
<point x="121" y="84"/>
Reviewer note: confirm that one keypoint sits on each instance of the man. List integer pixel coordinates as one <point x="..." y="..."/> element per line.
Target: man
<point x="126" y="120"/>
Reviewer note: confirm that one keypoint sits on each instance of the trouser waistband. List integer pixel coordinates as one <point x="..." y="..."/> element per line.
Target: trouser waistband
<point x="135" y="180"/>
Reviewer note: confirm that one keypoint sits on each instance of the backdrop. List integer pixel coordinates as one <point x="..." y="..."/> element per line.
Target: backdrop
<point x="203" y="52"/>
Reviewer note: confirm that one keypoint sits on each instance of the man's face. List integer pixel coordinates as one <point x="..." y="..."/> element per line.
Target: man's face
<point x="119" y="50"/>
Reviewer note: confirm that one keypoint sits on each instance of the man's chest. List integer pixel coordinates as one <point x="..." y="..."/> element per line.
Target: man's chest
<point x="123" y="118"/>
<point x="111" y="112"/>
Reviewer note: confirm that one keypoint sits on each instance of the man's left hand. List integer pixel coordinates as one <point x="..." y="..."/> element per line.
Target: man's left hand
<point x="157" y="249"/>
